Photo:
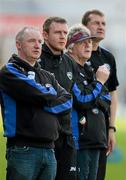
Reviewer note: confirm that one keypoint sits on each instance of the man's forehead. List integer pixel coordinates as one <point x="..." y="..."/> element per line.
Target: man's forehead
<point x="32" y="33"/>
<point x="96" y="17"/>
<point x="58" y="25"/>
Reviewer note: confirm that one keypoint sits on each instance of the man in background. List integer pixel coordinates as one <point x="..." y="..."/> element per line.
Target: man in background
<point x="55" y="31"/>
<point x="95" y="22"/>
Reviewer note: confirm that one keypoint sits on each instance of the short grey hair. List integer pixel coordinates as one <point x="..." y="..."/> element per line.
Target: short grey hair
<point x="21" y="33"/>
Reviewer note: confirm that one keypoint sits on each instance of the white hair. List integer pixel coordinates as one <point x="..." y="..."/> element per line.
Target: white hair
<point x="73" y="30"/>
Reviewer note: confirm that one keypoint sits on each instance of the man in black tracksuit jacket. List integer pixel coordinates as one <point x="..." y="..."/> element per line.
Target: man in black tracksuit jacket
<point x="99" y="57"/>
<point x="41" y="91"/>
<point x="31" y="100"/>
<point x="95" y="21"/>
<point x="91" y="102"/>
<point x="53" y="60"/>
<point x="63" y="69"/>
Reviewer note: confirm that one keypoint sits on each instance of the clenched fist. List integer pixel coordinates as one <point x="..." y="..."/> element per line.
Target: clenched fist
<point x="102" y="74"/>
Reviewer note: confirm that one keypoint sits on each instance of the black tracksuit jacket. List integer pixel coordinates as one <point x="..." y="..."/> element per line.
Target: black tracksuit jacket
<point x="67" y="73"/>
<point x="103" y="56"/>
<point x="64" y="71"/>
<point x="31" y="100"/>
<point x="91" y="101"/>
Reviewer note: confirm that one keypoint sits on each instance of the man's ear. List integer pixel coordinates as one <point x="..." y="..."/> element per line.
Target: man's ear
<point x="45" y="35"/>
<point x="18" y="45"/>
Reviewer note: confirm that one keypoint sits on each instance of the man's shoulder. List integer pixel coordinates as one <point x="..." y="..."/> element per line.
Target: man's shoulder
<point x="70" y="63"/>
<point x="69" y="59"/>
<point x="47" y="73"/>
<point x="106" y="52"/>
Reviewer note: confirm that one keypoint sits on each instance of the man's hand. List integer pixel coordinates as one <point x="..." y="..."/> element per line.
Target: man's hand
<point x="111" y="141"/>
<point x="102" y="74"/>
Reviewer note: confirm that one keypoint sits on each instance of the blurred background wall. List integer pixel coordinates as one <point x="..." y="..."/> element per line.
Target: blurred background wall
<point x="15" y="14"/>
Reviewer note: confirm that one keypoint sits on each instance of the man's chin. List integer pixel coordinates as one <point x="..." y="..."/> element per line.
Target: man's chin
<point x="98" y="39"/>
<point x="35" y="58"/>
<point x="61" y="48"/>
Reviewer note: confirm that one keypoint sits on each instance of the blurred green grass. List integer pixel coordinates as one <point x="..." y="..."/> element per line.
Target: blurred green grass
<point x="2" y="154"/>
<point x="115" y="171"/>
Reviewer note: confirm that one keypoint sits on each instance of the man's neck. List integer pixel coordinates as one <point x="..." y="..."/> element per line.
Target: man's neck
<point x="54" y="51"/>
<point x="31" y="62"/>
<point x="78" y="60"/>
<point x="95" y="46"/>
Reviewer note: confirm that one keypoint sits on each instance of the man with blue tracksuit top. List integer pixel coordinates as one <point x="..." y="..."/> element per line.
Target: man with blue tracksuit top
<point x="91" y="104"/>
<point x="31" y="100"/>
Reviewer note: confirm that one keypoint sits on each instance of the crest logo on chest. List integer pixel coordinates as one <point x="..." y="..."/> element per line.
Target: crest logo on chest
<point x="69" y="75"/>
<point x="31" y="75"/>
<point x="85" y="82"/>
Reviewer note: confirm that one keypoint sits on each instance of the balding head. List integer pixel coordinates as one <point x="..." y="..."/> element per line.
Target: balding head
<point x="28" y="43"/>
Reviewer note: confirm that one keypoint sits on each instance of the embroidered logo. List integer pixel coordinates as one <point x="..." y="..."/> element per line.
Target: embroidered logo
<point x="31" y="75"/>
<point x="95" y="111"/>
<point x="69" y="75"/>
<point x="72" y="168"/>
<point x="85" y="82"/>
<point x="48" y="85"/>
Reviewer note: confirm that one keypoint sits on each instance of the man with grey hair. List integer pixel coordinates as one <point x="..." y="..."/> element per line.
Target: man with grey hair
<point x="91" y="103"/>
<point x="75" y="32"/>
<point x="31" y="99"/>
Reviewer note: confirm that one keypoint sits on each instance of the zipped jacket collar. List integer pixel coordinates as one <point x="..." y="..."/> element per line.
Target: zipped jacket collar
<point x="17" y="60"/>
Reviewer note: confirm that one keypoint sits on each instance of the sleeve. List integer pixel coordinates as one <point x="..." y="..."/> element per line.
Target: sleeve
<point x="17" y="85"/>
<point x="63" y="102"/>
<point x="112" y="82"/>
<point x="104" y="100"/>
<point x="84" y="98"/>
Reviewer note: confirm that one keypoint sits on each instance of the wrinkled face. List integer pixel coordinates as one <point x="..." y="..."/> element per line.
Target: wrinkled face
<point x="97" y="26"/>
<point x="29" y="47"/>
<point x="82" y="50"/>
<point x="56" y="38"/>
